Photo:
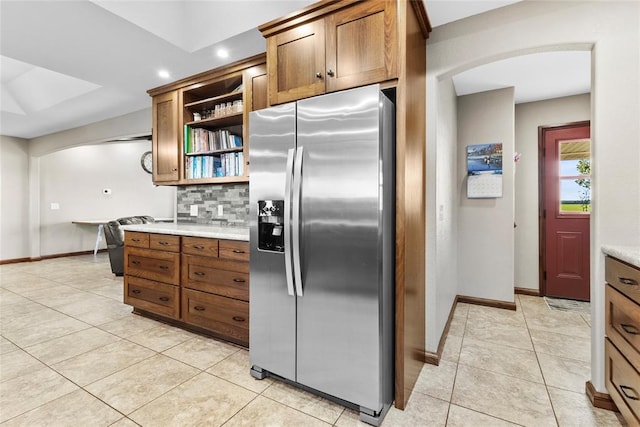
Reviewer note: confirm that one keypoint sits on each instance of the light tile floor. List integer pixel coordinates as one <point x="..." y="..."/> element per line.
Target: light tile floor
<point x="72" y="354"/>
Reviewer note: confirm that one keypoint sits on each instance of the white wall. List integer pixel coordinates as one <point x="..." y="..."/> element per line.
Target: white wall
<point x="14" y="203"/>
<point x="529" y="116"/>
<point x="74" y="179"/>
<point x="71" y="168"/>
<point x="612" y="31"/>
<point x="485" y="226"/>
<point x="443" y="223"/>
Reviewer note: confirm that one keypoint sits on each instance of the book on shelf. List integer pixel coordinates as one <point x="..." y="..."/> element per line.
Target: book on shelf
<point x="212" y="166"/>
<point x="200" y="140"/>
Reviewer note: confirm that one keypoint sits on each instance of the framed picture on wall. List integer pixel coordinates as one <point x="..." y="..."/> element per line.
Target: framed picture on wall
<point x="484" y="171"/>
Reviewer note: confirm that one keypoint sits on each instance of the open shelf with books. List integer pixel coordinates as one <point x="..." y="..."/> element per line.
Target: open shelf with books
<point x="211" y="119"/>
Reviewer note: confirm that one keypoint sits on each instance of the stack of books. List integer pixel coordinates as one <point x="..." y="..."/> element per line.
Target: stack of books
<point x="200" y="140"/>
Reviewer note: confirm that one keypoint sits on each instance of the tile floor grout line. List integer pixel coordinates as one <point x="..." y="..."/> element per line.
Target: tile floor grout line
<point x="456" y="376"/>
<point x="546" y="387"/>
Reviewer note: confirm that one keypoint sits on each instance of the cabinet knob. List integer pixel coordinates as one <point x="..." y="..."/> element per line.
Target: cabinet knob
<point x="319" y="75"/>
<point x="165" y="299"/>
<point x="330" y="72"/>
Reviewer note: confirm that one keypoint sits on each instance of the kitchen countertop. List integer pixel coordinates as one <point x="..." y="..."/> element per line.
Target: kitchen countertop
<point x="194" y="230"/>
<point x="630" y="254"/>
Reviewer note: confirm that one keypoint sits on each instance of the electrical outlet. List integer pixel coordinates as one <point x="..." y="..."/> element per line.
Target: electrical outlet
<point x="55" y="206"/>
<point x="220" y="210"/>
<point x="193" y="210"/>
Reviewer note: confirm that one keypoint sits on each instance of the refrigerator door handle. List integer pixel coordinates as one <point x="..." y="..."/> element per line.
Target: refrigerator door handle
<point x="287" y="222"/>
<point x="295" y="218"/>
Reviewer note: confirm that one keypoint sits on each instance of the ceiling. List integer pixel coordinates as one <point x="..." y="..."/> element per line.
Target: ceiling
<point x="82" y="61"/>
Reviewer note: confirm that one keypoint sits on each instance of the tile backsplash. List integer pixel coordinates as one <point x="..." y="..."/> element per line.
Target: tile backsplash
<point x="233" y="197"/>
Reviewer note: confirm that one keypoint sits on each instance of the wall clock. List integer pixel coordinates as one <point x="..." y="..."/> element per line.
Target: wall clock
<point x="146" y="161"/>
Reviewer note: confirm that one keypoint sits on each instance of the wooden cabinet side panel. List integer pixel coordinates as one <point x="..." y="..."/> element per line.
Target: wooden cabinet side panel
<point x="410" y="205"/>
<point x="166" y="138"/>
<point x="361" y="45"/>
<point x="294" y="57"/>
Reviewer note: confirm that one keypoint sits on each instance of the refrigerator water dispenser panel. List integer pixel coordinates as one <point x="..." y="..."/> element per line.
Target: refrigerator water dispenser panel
<point x="271" y="225"/>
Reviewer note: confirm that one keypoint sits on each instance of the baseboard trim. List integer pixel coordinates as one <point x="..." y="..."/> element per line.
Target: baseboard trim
<point x="487" y="302"/>
<point x="40" y="258"/>
<point x="598" y="399"/>
<point x="527" y="291"/>
<point x="14" y="261"/>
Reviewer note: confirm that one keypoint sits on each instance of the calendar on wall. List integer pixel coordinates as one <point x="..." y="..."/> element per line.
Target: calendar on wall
<point x="484" y="171"/>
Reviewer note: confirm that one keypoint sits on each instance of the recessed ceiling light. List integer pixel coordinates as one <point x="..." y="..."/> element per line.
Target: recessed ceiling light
<point x="163" y="74"/>
<point x="223" y="53"/>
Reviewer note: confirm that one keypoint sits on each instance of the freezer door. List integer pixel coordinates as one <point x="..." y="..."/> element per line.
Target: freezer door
<point x="339" y="314"/>
<point x="272" y="309"/>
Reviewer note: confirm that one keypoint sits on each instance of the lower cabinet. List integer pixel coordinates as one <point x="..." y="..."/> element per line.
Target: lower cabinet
<point x="152" y="296"/>
<point x="227" y="317"/>
<point x="194" y="282"/>
<point x="622" y="342"/>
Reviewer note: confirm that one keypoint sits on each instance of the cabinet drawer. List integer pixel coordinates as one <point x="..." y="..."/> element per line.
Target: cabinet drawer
<point x="623" y="277"/>
<point x="623" y="383"/>
<point x="225" y="316"/>
<point x="233" y="249"/>
<point x="164" y="242"/>
<point x="623" y="324"/>
<point x="136" y="239"/>
<point x="152" y="296"/>
<point x="216" y="276"/>
<point x="160" y="266"/>
<point x="200" y="246"/>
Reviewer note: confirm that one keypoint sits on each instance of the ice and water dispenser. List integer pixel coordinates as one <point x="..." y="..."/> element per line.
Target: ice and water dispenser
<point x="271" y="225"/>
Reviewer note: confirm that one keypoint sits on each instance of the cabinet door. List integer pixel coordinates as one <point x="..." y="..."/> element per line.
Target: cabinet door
<point x="296" y="63"/>
<point x="362" y="45"/>
<point x="166" y="138"/>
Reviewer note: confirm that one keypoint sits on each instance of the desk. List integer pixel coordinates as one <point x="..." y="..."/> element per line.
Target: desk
<point x="101" y="222"/>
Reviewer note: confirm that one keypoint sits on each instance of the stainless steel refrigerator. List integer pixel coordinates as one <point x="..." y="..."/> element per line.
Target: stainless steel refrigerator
<point x="322" y="246"/>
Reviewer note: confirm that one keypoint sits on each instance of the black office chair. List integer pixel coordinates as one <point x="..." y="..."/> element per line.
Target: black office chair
<point x="114" y="236"/>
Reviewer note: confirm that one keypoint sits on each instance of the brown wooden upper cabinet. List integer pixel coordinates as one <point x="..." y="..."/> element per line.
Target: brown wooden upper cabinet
<point x="166" y="138"/>
<point x="200" y="132"/>
<point x="355" y="45"/>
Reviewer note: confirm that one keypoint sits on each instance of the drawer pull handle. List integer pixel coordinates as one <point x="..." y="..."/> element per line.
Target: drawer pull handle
<point x="238" y="251"/>
<point x="199" y="247"/>
<point x="624" y="388"/>
<point x="164" y="299"/>
<point x="135" y="262"/>
<point x="164" y="267"/>
<point x="135" y="240"/>
<point x="627" y="281"/>
<point x="199" y="308"/>
<point x="239" y="280"/>
<point x="136" y="291"/>
<point x="199" y="273"/>
<point x="163" y="243"/>
<point x="238" y="318"/>
<point x="630" y="329"/>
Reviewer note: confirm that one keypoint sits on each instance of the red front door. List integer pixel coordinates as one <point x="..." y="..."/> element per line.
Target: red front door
<point x="566" y="198"/>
